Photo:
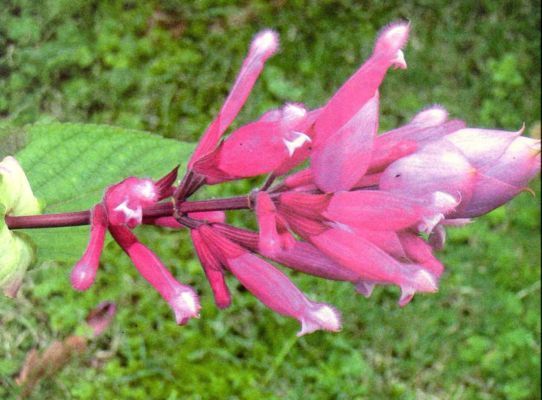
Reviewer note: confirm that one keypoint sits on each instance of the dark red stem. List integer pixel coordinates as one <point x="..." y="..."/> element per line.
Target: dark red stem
<point x="158" y="210"/>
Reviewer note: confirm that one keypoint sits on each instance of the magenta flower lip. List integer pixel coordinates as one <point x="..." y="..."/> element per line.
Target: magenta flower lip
<point x="365" y="208"/>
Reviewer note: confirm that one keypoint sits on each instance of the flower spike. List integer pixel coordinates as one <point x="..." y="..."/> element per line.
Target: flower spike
<point x="368" y="209"/>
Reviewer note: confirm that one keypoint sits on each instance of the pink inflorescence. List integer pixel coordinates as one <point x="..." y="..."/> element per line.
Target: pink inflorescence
<point x="356" y="212"/>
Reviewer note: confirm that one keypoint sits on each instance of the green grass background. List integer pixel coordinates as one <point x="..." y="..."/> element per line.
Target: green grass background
<point x="166" y="66"/>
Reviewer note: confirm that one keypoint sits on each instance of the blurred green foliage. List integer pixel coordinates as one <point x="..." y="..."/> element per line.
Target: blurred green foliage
<point x="166" y="66"/>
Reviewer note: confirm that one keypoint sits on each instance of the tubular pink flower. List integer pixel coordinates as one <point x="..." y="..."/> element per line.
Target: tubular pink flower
<point x="281" y="138"/>
<point x="213" y="270"/>
<point x="376" y="210"/>
<point x="437" y="167"/>
<point x="306" y="258"/>
<point x="388" y="241"/>
<point x="358" y="208"/>
<point x="499" y="182"/>
<point x="420" y="252"/>
<point x="428" y="125"/>
<point x="263" y="46"/>
<point x="346" y="126"/>
<point x="84" y="272"/>
<point x="272" y="287"/>
<point x="341" y="158"/>
<point x="182" y="299"/>
<point x="363" y="85"/>
<point x="373" y="264"/>
<point x="270" y="239"/>
<point x="482" y="147"/>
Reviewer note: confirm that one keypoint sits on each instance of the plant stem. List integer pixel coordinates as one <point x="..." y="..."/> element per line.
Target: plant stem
<point x="159" y="210"/>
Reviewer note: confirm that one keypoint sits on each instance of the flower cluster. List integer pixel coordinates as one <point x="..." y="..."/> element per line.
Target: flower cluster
<point x="366" y="208"/>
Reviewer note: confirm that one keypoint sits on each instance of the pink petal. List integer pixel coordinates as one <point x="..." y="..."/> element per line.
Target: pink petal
<point x="518" y="164"/>
<point x="375" y="210"/>
<point x="385" y="240"/>
<point x="373" y="264"/>
<point x="342" y="157"/>
<point x="482" y="146"/>
<point x="276" y="291"/>
<point x="213" y="270"/>
<point x="304" y="204"/>
<point x="363" y="85"/>
<point x="84" y="272"/>
<point x="432" y="116"/>
<point x="365" y="287"/>
<point x="266" y="213"/>
<point x="437" y="167"/>
<point x="282" y="141"/>
<point x="264" y="45"/>
<point x="167" y="222"/>
<point x="420" y="252"/>
<point x="368" y="181"/>
<point x="392" y="145"/>
<point x="124" y="201"/>
<point x="182" y="299"/>
<point x="499" y="182"/>
<point x="437" y="239"/>
<point x="300" y="178"/>
<point x="306" y="258"/>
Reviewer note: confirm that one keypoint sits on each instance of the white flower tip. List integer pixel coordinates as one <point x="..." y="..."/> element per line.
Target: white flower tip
<point x="265" y="43"/>
<point x="399" y="60"/>
<point x="433" y="116"/>
<point x="298" y="140"/>
<point x="425" y="281"/>
<point x="293" y="112"/>
<point x="82" y="276"/>
<point x="393" y="38"/>
<point x="320" y="316"/>
<point x="131" y="216"/>
<point x="146" y="190"/>
<point x="444" y="202"/>
<point x="185" y="305"/>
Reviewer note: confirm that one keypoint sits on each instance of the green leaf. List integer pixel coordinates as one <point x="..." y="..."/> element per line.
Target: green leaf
<point x="70" y="165"/>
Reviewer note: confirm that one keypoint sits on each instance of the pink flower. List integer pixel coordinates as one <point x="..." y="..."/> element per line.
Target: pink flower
<point x="484" y="168"/>
<point x="84" y="272"/>
<point x="124" y="202"/>
<point x="429" y="125"/>
<point x="264" y="45"/>
<point x="211" y="265"/>
<point x="345" y="128"/>
<point x="360" y="231"/>
<point x="502" y="179"/>
<point x="182" y="299"/>
<point x="271" y="286"/>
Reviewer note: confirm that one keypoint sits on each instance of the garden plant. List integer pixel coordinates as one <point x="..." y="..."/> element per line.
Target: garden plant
<point x="321" y="192"/>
